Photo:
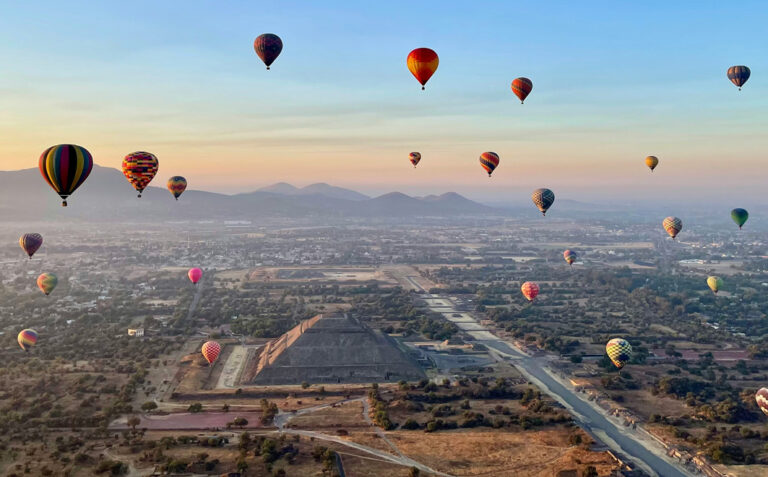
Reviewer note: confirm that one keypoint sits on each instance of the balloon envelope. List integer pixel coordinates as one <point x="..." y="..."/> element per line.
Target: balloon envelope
<point x="620" y="351"/>
<point x="422" y="62"/>
<point x="739" y="75"/>
<point x="211" y="350"/>
<point x="652" y="162"/>
<point x="762" y="400"/>
<point x="65" y="167"/>
<point x="194" y="275"/>
<point x="522" y="88"/>
<point x="489" y="161"/>
<point x="140" y="168"/>
<point x="414" y="157"/>
<point x="47" y="282"/>
<point x="673" y="226"/>
<point x="268" y="46"/>
<point x="739" y="216"/>
<point x="530" y="290"/>
<point x="177" y="185"/>
<point x="715" y="283"/>
<point x="543" y="199"/>
<point x="30" y="243"/>
<point x="27" y="339"/>
<point x="569" y="256"/>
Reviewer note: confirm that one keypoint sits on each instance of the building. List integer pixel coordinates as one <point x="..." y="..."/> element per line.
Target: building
<point x="138" y="332"/>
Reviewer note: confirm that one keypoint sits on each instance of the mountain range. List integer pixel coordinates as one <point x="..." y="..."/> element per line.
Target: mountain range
<point x="106" y="195"/>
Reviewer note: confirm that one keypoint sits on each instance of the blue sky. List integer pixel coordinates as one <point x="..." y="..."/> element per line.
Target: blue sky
<point x="613" y="82"/>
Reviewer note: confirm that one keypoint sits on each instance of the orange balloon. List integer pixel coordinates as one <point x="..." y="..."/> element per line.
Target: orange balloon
<point x="211" y="350"/>
<point x="423" y="63"/>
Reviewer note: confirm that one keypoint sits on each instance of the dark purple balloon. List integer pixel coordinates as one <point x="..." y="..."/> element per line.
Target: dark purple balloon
<point x="30" y="243"/>
<point x="268" y="46"/>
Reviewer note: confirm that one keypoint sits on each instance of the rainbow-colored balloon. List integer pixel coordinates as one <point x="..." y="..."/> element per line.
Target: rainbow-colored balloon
<point x="27" y="339"/>
<point x="489" y="161"/>
<point x="140" y="168"/>
<point x="65" y="167"/>
<point x="46" y="282"/>
<point x="177" y="185"/>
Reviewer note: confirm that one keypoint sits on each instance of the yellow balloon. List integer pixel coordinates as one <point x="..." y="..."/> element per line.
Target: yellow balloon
<point x="652" y="162"/>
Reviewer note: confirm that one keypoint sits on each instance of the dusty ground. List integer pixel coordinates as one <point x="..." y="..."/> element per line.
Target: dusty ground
<point x="498" y="453"/>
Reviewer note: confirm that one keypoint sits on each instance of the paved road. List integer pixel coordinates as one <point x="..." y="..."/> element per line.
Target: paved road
<point x="589" y="418"/>
<point x="195" y="300"/>
<point x="649" y="455"/>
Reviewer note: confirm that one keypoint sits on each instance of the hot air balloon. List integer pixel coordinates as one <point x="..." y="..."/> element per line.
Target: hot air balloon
<point x="738" y="75"/>
<point x="543" y="199"/>
<point x="47" y="282"/>
<point x="140" y="168"/>
<point x="27" y="339"/>
<point x="177" y="185"/>
<point x="530" y="290"/>
<point x="739" y="216"/>
<point x="194" y="275"/>
<point x="211" y="350"/>
<point x="673" y="226"/>
<point x="652" y="162"/>
<point x="414" y="157"/>
<point x="489" y="161"/>
<point x="65" y="167"/>
<point x="30" y="243"/>
<point x="570" y="256"/>
<point x="268" y="46"/>
<point x="620" y="351"/>
<point x="715" y="283"/>
<point x="762" y="400"/>
<point x="423" y="63"/>
<point x="522" y="88"/>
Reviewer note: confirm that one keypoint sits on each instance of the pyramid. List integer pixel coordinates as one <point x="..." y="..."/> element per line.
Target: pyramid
<point x="330" y="349"/>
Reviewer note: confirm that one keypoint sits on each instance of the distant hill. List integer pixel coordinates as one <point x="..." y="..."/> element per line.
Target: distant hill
<point x="320" y="188"/>
<point x="107" y="196"/>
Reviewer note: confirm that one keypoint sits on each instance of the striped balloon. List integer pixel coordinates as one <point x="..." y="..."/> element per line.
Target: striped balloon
<point x="489" y="161"/>
<point x="522" y="88"/>
<point x="27" y="339"/>
<point x="543" y="199"/>
<point x="46" y="282"/>
<point x="673" y="226"/>
<point x="738" y="75"/>
<point x="570" y="256"/>
<point x="177" y="185"/>
<point x="530" y="290"/>
<point x="762" y="400"/>
<point x="211" y="350"/>
<point x="65" y="167"/>
<point x="268" y="46"/>
<point x="414" y="157"/>
<point x="140" y="168"/>
<point x="620" y="351"/>
<point x="30" y="243"/>
<point x="652" y="162"/>
<point x="422" y="62"/>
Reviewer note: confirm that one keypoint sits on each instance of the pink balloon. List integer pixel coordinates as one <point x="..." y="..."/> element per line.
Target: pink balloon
<point x="195" y="274"/>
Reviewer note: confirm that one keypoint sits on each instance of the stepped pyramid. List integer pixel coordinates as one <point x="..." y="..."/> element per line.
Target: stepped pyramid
<point x="330" y="349"/>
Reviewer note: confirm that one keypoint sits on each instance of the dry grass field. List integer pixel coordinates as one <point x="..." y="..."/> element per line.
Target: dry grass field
<point x="498" y="453"/>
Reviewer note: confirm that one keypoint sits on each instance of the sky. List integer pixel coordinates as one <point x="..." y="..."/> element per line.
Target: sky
<point x="613" y="82"/>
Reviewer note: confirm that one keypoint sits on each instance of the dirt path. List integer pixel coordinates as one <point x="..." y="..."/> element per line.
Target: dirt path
<point x="283" y="418"/>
